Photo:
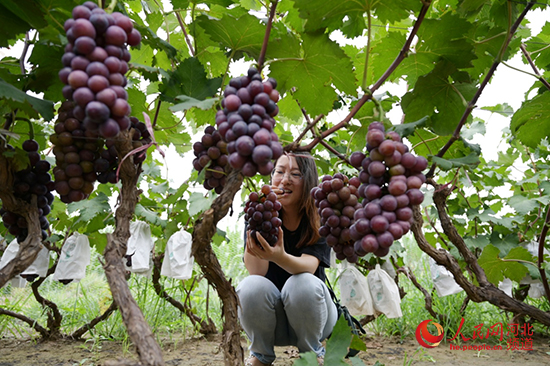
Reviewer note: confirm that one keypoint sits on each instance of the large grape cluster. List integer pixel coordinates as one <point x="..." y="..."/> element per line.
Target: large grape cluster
<point x="262" y="214"/>
<point x="246" y="123"/>
<point x="95" y="63"/>
<point x="211" y="153"/>
<point x="388" y="186"/>
<point x="96" y="110"/>
<point x="34" y="180"/>
<point x="83" y="158"/>
<point x="337" y="200"/>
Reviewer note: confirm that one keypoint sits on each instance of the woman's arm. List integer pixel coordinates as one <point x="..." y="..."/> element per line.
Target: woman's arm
<point x="253" y="263"/>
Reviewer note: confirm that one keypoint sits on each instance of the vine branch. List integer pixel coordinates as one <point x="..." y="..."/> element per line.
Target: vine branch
<point x="261" y="58"/>
<point x="369" y="92"/>
<point x="533" y="66"/>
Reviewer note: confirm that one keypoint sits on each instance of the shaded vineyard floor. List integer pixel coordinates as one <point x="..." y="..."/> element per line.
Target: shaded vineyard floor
<point x="206" y="352"/>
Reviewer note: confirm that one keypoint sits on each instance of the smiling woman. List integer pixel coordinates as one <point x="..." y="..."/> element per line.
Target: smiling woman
<point x="285" y="301"/>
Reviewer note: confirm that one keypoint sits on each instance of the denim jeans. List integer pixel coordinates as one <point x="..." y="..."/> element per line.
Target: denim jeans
<point x="302" y="314"/>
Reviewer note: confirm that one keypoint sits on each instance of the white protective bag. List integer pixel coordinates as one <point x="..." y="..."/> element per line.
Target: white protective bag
<point x="73" y="260"/>
<point x="444" y="281"/>
<point x="140" y="245"/>
<point x="40" y="265"/>
<point x="354" y="291"/>
<point x="178" y="260"/>
<point x="9" y="254"/>
<point x="384" y="293"/>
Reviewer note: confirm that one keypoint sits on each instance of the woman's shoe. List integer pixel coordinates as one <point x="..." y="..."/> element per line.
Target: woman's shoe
<point x="253" y="361"/>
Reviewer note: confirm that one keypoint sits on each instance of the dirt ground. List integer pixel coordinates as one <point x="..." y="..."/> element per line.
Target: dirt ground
<point x="206" y="352"/>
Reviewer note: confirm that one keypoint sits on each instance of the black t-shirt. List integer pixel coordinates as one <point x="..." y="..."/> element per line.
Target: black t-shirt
<point x="319" y="250"/>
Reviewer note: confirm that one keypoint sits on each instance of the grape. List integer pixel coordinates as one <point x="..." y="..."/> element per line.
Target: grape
<point x="247" y="118"/>
<point x="212" y="150"/>
<point x="262" y="216"/>
<point x="33" y="180"/>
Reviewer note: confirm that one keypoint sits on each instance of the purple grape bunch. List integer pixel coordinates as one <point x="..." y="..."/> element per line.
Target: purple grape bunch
<point x="95" y="63"/>
<point x="262" y="214"/>
<point x="246" y="123"/>
<point x="211" y="154"/>
<point x="337" y="200"/>
<point x="387" y="187"/>
<point x="35" y="180"/>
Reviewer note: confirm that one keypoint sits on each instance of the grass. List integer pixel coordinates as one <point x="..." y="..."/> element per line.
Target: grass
<point x="81" y="302"/>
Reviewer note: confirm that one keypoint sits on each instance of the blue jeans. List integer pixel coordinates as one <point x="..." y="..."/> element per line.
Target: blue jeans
<point x="302" y="314"/>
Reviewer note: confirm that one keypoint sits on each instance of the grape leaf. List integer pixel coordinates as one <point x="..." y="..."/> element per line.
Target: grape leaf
<point x="244" y="34"/>
<point x="188" y="79"/>
<point x="151" y="217"/>
<point x="497" y="268"/>
<point x="447" y="164"/>
<point x="338" y="343"/>
<point x="187" y="102"/>
<point x="522" y="204"/>
<point x="320" y="64"/>
<point x="33" y="106"/>
<point x="438" y="97"/>
<point x="531" y="123"/>
<point x="199" y="203"/>
<point x="90" y="208"/>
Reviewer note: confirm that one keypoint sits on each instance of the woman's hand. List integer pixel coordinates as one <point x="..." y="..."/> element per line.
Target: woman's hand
<point x="261" y="249"/>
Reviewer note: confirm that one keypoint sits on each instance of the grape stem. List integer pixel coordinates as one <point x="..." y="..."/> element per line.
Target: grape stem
<point x="542" y="240"/>
<point x="187" y="40"/>
<point x="332" y="150"/>
<point x="488" y="76"/>
<point x="310" y="125"/>
<point x="535" y="69"/>
<point x="369" y="91"/>
<point x="261" y="58"/>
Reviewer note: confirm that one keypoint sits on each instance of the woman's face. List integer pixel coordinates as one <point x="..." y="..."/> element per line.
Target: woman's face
<point x="287" y="177"/>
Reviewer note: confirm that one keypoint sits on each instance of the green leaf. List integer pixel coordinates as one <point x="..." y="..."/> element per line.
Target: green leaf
<point x="439" y="97"/>
<point x="188" y="103"/>
<point x="306" y="359"/>
<point x="471" y="160"/>
<point x="531" y="123"/>
<point x="24" y="101"/>
<point x="243" y="34"/>
<point x="497" y="269"/>
<point x="503" y="109"/>
<point x="88" y="209"/>
<point x="522" y="204"/>
<point x="338" y="343"/>
<point x="151" y="217"/>
<point x="446" y="38"/>
<point x="189" y="79"/>
<point x="407" y="129"/>
<point x="322" y="63"/>
<point x="198" y="203"/>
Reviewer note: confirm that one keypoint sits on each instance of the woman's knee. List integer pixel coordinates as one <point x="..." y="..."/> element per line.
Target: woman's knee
<point x="254" y="288"/>
<point x="305" y="286"/>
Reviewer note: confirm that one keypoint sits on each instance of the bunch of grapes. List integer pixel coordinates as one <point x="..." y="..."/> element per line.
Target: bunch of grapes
<point x="391" y="178"/>
<point x="211" y="153"/>
<point x="95" y="63"/>
<point x="337" y="200"/>
<point x="76" y="151"/>
<point x="246" y="123"/>
<point x="34" y="180"/>
<point x="262" y="214"/>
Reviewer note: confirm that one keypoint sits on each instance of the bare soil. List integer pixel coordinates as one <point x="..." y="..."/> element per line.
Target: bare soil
<point x="206" y="352"/>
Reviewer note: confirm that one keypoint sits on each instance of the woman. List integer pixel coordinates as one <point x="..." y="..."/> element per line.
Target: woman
<point x="285" y="301"/>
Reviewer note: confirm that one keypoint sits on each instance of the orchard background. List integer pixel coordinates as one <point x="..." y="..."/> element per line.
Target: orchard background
<point x="335" y="63"/>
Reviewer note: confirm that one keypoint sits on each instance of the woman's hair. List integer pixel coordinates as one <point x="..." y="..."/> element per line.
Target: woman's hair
<point x="306" y="165"/>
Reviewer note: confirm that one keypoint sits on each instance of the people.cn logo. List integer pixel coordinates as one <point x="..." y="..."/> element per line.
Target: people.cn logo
<point x="425" y="338"/>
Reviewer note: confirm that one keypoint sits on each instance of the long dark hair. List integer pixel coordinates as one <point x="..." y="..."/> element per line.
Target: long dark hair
<point x="306" y="165"/>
